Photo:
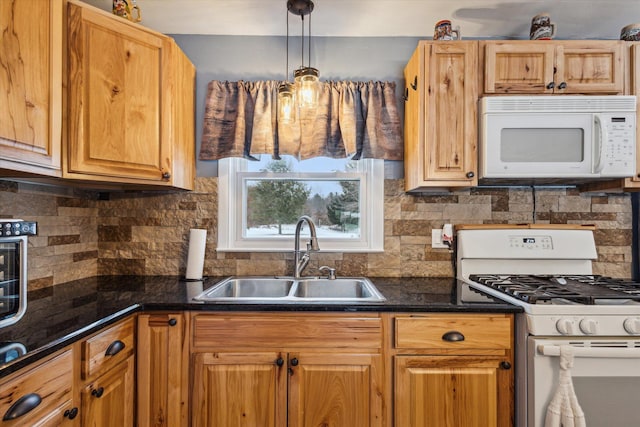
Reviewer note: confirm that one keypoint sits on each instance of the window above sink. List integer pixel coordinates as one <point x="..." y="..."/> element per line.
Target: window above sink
<point x="345" y="199"/>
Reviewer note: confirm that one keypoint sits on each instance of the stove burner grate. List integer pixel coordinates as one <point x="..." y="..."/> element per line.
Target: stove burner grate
<point x="577" y="289"/>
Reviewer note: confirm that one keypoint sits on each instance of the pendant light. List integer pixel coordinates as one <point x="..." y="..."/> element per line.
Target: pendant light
<point x="306" y="78"/>
<point x="306" y="87"/>
<point x="286" y="93"/>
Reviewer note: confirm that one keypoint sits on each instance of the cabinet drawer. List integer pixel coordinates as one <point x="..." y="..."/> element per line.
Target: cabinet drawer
<point x="51" y="382"/>
<point x="260" y="331"/>
<point x="108" y="348"/>
<point x="453" y="332"/>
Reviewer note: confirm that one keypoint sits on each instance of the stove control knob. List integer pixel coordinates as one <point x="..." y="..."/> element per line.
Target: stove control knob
<point x="588" y="326"/>
<point x="632" y="325"/>
<point x="565" y="326"/>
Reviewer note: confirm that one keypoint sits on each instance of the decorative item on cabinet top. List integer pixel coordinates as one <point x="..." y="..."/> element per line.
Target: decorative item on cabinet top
<point x="122" y="8"/>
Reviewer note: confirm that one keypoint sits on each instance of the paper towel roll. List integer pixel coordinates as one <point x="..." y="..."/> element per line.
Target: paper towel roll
<point x="195" y="258"/>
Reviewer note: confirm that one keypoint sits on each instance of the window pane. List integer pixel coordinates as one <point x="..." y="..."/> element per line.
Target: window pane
<point x="274" y="206"/>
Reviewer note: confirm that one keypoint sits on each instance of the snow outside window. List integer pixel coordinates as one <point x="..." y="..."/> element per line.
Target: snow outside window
<point x="259" y="203"/>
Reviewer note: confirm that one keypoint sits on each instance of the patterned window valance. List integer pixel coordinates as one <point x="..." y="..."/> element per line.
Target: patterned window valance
<point x="358" y="119"/>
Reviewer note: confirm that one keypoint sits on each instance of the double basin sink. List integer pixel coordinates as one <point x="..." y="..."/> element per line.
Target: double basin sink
<point x="288" y="289"/>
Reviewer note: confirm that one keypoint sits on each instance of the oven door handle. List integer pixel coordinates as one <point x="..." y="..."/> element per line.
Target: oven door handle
<point x="598" y="352"/>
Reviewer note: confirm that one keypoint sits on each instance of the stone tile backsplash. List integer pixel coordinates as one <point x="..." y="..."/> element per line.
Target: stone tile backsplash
<point x="84" y="233"/>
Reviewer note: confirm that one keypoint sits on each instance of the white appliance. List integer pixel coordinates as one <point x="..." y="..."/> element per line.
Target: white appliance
<point x="547" y="271"/>
<point x="557" y="137"/>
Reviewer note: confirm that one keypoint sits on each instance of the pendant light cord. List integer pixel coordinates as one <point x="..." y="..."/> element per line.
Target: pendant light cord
<point x="309" y="50"/>
<point x="286" y="72"/>
<point x="302" y="41"/>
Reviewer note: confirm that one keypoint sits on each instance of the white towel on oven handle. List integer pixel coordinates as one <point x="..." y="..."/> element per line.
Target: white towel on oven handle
<point x="564" y="409"/>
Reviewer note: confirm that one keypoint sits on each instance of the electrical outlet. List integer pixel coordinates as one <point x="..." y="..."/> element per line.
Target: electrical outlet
<point x="436" y="239"/>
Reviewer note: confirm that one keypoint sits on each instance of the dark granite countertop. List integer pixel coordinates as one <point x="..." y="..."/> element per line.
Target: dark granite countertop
<point x="59" y="315"/>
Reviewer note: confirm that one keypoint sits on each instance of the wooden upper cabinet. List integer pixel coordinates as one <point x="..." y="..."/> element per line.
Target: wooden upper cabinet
<point x="125" y="83"/>
<point x="553" y="67"/>
<point x="30" y="86"/>
<point x="440" y="115"/>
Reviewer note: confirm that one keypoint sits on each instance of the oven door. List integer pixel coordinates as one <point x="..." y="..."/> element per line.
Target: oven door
<point x="605" y="375"/>
<point x="13" y="285"/>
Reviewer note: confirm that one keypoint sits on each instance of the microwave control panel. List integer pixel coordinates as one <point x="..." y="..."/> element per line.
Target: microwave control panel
<point x="10" y="228"/>
<point x="619" y="147"/>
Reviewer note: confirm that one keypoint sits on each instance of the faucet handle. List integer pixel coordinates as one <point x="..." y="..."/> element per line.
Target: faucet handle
<point x="331" y="272"/>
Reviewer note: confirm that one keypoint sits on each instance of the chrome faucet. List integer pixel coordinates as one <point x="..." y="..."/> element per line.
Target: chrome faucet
<point x="312" y="246"/>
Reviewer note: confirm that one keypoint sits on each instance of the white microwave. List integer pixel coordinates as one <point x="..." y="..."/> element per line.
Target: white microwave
<point x="557" y="137"/>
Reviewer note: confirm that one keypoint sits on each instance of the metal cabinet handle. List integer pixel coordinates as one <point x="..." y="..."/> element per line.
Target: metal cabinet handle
<point x="279" y="361"/>
<point x="114" y="348"/>
<point x="470" y="174"/>
<point x="294" y="362"/>
<point x="414" y="85"/>
<point x="406" y="94"/>
<point x="505" y="365"/>
<point x="453" y="336"/>
<point x="22" y="406"/>
<point x="166" y="176"/>
<point x="97" y="392"/>
<point x="562" y="85"/>
<point x="71" y="413"/>
<point x="173" y="322"/>
<point x="551" y="85"/>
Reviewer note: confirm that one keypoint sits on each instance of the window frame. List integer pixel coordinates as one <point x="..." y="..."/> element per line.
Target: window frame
<point x="232" y="211"/>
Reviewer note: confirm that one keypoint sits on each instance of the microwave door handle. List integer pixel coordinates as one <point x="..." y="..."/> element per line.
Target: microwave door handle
<point x="596" y="352"/>
<point x="598" y="138"/>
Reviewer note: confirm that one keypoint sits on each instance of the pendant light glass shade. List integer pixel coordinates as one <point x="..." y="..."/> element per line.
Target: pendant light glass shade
<point x="286" y="103"/>
<point x="307" y="86"/>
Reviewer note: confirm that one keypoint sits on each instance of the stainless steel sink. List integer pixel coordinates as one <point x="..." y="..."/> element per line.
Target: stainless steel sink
<point x="243" y="288"/>
<point x="359" y="289"/>
<point x="287" y="289"/>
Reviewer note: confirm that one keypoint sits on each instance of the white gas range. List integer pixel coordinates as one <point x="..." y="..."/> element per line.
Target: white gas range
<point x="547" y="270"/>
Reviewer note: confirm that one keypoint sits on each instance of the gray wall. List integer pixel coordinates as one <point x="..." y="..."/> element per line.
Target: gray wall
<point x="264" y="58"/>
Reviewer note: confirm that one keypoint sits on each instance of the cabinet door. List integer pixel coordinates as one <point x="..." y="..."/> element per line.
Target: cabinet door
<point x="335" y="390"/>
<point x="109" y="400"/>
<point x="31" y="86"/>
<point x="590" y="67"/>
<point x="440" y="116"/>
<point x="518" y="67"/>
<point x="452" y="391"/>
<point x="119" y="126"/>
<point x="239" y="390"/>
<point x="163" y="361"/>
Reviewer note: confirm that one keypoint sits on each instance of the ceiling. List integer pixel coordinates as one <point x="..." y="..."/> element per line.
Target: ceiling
<point x="575" y="19"/>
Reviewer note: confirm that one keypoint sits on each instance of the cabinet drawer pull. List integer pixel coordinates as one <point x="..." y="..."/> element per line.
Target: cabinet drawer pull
<point x="173" y="322"/>
<point x="562" y="85"/>
<point x="505" y="365"/>
<point x="97" y="392"/>
<point x="114" y="348"/>
<point x="414" y="85"/>
<point x="22" y="406"/>
<point x="279" y="361"/>
<point x="453" y="336"/>
<point x="551" y="85"/>
<point x="294" y="362"/>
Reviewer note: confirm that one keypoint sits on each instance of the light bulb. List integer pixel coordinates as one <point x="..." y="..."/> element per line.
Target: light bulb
<point x="286" y="103"/>
<point x="307" y="87"/>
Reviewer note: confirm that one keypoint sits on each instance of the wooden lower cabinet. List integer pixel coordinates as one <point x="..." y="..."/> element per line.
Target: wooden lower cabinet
<point x="334" y="390"/>
<point x="41" y="396"/>
<point x="109" y="400"/>
<point x="239" y="389"/>
<point x="452" y="370"/>
<point x="287" y="370"/>
<point x="297" y="389"/>
<point x="439" y="391"/>
<point x="163" y="370"/>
